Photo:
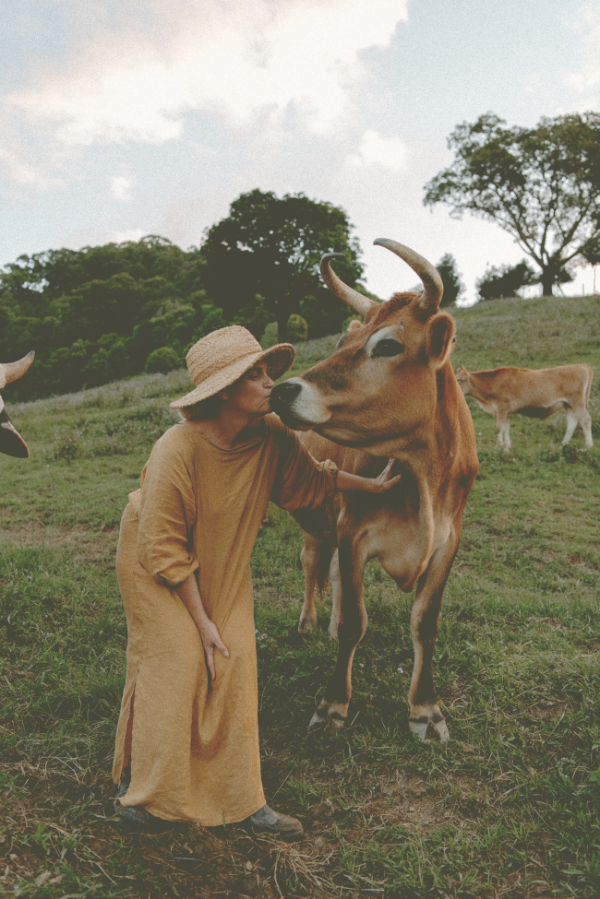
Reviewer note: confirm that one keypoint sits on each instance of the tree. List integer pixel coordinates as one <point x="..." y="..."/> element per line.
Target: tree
<point x="541" y="185"/>
<point x="95" y="314"/>
<point x="591" y="251"/>
<point x="297" y="329"/>
<point x="272" y="246"/>
<point x="453" y="286"/>
<point x="162" y="360"/>
<point x="505" y="280"/>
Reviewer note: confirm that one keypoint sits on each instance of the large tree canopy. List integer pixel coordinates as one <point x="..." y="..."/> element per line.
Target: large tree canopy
<point x="266" y="254"/>
<point x="541" y="185"/>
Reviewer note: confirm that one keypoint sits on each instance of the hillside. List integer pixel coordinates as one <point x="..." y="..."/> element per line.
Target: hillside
<point x="511" y="806"/>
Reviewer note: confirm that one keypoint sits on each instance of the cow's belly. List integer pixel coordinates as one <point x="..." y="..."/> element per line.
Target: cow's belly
<point x="542" y="411"/>
<point x="405" y="547"/>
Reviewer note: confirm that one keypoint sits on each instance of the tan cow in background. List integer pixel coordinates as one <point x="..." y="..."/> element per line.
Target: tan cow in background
<point x="388" y="392"/>
<point x="535" y="393"/>
<point x="11" y="441"/>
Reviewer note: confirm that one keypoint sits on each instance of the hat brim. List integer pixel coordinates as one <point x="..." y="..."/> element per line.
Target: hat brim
<point x="279" y="358"/>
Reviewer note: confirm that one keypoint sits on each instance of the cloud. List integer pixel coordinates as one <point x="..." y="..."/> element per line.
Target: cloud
<point x="133" y="235"/>
<point x="120" y="188"/>
<point x="376" y="150"/>
<point x="588" y="75"/>
<point x="15" y="166"/>
<point x="231" y="59"/>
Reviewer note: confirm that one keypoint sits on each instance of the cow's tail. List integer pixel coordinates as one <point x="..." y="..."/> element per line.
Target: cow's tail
<point x="325" y="557"/>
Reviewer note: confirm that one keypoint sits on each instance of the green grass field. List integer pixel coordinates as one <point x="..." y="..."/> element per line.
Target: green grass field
<point x="510" y="807"/>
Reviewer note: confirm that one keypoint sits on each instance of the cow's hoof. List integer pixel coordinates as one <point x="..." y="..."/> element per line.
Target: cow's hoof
<point x="307" y="625"/>
<point x="421" y="729"/>
<point x="326" y="717"/>
<point x="316" y="723"/>
<point x="441" y="728"/>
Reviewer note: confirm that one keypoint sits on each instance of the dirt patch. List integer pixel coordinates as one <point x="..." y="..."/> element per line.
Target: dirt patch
<point x="38" y="834"/>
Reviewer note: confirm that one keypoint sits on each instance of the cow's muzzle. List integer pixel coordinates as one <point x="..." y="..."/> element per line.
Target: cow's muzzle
<point x="299" y="405"/>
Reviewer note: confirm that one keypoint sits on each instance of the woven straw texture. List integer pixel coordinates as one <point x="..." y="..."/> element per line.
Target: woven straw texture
<point x="222" y="357"/>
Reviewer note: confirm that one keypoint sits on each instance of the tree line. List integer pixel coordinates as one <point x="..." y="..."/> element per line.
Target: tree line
<point x="103" y="313"/>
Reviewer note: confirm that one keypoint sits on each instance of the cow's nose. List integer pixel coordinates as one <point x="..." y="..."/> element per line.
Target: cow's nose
<point x="286" y="392"/>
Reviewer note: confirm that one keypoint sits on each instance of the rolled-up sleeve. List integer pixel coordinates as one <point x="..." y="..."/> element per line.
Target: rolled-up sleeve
<point x="301" y="481"/>
<point x="167" y="513"/>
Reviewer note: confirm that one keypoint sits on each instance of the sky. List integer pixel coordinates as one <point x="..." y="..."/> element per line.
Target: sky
<point x="121" y="118"/>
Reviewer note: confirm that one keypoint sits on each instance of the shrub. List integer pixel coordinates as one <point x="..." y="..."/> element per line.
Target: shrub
<point x="269" y="338"/>
<point x="297" y="329"/>
<point x="498" y="282"/>
<point x="163" y="360"/>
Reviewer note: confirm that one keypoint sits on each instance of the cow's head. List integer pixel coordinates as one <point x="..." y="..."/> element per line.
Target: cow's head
<point x="464" y="379"/>
<point x="380" y="384"/>
<point x="11" y="441"/>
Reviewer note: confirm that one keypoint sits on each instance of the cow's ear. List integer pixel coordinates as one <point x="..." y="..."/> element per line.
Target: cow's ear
<point x="440" y="334"/>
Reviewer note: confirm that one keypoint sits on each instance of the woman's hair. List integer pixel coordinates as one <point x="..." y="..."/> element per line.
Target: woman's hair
<point x="208" y="408"/>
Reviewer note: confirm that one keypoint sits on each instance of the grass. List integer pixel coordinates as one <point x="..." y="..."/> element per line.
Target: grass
<point x="510" y="807"/>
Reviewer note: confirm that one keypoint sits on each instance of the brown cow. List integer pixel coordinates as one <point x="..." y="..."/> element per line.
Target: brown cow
<point x="535" y="393"/>
<point x="11" y="441"/>
<point x="388" y="391"/>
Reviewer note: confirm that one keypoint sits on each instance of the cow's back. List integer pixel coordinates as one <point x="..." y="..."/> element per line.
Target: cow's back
<point x="524" y="389"/>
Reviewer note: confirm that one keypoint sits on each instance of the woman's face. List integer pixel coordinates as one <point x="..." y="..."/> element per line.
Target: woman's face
<point x="252" y="393"/>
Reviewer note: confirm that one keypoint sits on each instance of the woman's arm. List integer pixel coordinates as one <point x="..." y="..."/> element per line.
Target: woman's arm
<point x="346" y="481"/>
<point x="189" y="594"/>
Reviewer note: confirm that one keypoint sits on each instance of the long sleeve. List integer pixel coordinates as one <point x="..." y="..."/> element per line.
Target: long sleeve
<point x="301" y="482"/>
<point x="167" y="511"/>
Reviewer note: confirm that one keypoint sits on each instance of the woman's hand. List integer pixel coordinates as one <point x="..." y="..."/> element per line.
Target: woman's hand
<point x="385" y="479"/>
<point x="211" y="640"/>
<point x="346" y="481"/>
<point x="189" y="594"/>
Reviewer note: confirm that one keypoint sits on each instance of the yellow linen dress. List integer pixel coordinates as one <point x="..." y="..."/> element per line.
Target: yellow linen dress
<point x="194" y="745"/>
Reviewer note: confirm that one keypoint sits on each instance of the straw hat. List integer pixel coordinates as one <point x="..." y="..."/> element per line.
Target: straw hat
<point x="223" y="356"/>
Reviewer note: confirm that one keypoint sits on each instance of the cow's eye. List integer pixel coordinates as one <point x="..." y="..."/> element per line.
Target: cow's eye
<point x="387" y="347"/>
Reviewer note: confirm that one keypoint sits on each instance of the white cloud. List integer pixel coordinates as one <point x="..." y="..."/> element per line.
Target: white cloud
<point x="376" y="150"/>
<point x="15" y="166"/>
<point x="234" y="59"/>
<point x="120" y="188"/>
<point x="587" y="77"/>
<point x="133" y="235"/>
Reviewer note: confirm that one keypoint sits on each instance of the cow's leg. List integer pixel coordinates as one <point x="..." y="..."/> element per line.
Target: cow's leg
<point x="585" y="419"/>
<point x="571" y="425"/>
<point x="424" y="625"/>
<point x="310" y="557"/>
<point x="503" y="430"/>
<point x="316" y="557"/>
<point x="582" y="417"/>
<point x="351" y="627"/>
<point x="336" y="594"/>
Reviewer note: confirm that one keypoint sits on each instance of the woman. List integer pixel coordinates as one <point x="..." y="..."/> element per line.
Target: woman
<point x="187" y="744"/>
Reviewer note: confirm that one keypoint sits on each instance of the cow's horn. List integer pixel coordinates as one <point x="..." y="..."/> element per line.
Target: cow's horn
<point x="429" y="275"/>
<point x="351" y="297"/>
<point x="10" y="371"/>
